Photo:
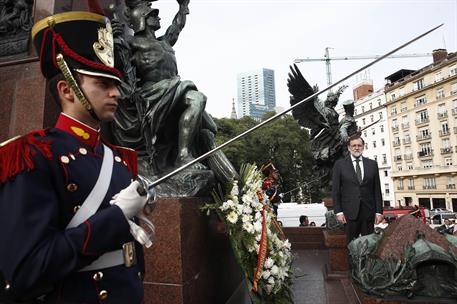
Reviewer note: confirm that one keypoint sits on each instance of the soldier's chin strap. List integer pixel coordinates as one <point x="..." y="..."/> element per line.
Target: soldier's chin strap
<point x="61" y="63"/>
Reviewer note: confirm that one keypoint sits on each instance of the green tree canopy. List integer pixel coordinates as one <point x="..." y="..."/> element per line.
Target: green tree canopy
<point x="282" y="141"/>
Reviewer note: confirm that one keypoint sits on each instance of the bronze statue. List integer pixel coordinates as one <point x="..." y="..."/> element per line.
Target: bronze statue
<point x="15" y="25"/>
<point x="327" y="143"/>
<point x="162" y="116"/>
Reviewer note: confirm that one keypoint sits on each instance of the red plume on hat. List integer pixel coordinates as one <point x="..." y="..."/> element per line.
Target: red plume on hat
<point x="95" y="7"/>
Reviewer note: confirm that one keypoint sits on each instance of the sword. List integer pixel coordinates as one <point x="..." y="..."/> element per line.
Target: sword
<point x="209" y="153"/>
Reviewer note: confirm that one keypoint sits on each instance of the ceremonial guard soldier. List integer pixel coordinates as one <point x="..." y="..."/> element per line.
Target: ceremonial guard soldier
<point x="271" y="185"/>
<point x="67" y="198"/>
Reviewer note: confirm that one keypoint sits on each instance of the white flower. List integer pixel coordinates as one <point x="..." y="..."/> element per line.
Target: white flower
<point x="246" y="218"/>
<point x="269" y="263"/>
<point x="229" y="204"/>
<point x="266" y="274"/>
<point x="247" y="209"/>
<point x="248" y="227"/>
<point x="235" y="191"/>
<point x="258" y="226"/>
<point x="258" y="216"/>
<point x="271" y="280"/>
<point x="232" y="217"/>
<point x="286" y="244"/>
<point x="274" y="270"/>
<point x="258" y="237"/>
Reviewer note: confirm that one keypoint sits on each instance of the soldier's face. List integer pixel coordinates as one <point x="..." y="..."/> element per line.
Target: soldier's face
<point x="102" y="94"/>
<point x="356" y="147"/>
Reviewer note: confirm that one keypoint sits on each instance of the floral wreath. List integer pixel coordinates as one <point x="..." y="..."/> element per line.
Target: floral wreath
<point x="257" y="240"/>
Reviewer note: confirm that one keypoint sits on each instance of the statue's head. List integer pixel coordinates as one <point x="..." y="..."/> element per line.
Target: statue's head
<point x="139" y="12"/>
<point x="348" y="106"/>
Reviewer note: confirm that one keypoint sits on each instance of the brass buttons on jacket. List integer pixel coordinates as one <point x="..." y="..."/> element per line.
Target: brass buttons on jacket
<point x="98" y="276"/>
<point x="65" y="159"/>
<point x="140" y="275"/>
<point x="76" y="208"/>
<point x="83" y="151"/>
<point x="118" y="159"/>
<point x="72" y="187"/>
<point x="103" y="295"/>
<point x="72" y="156"/>
<point x="7" y="286"/>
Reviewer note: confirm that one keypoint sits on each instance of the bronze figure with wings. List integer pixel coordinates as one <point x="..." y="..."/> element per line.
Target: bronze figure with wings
<point x="320" y="117"/>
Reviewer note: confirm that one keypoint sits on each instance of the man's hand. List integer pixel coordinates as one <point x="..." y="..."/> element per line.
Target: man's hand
<point x="129" y="200"/>
<point x="379" y="218"/>
<point x="341" y="218"/>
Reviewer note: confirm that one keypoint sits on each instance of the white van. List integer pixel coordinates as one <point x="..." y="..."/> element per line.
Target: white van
<point x="289" y="214"/>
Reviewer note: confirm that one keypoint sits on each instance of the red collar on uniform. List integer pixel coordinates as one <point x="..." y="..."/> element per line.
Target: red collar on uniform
<point x="81" y="131"/>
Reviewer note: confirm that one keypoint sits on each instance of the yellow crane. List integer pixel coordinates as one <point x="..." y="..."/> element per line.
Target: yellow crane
<point x="327" y="60"/>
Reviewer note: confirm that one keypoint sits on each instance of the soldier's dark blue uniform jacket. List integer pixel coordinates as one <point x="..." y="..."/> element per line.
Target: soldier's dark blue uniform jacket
<point x="44" y="178"/>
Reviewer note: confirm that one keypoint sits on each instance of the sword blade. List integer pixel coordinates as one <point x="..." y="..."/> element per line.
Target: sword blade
<point x="241" y="135"/>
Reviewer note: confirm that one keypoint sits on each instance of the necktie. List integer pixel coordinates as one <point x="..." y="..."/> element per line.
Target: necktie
<point x="358" y="171"/>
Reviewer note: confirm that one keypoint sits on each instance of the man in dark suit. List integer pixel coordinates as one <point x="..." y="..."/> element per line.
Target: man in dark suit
<point x="356" y="191"/>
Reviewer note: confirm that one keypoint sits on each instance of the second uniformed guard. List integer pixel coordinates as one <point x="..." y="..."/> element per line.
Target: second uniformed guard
<point x="271" y="185"/>
<point x="66" y="197"/>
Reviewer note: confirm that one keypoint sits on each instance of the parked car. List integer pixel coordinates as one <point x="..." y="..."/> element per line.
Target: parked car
<point x="289" y="214"/>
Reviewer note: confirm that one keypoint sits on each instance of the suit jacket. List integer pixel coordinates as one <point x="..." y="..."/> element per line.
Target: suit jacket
<point x="348" y="193"/>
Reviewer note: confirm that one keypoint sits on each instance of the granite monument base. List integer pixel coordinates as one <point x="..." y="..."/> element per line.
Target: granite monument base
<point x="191" y="260"/>
<point x="337" y="266"/>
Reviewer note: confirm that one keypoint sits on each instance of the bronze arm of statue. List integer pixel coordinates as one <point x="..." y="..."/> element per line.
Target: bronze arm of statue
<point x="179" y="21"/>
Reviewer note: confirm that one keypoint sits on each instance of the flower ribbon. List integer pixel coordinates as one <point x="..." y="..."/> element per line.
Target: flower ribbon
<point x="262" y="254"/>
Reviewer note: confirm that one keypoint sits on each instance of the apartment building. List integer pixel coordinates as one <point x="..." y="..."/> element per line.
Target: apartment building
<point x="422" y="120"/>
<point x="371" y="116"/>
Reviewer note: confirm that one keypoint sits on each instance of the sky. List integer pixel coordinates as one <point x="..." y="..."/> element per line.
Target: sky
<point x="225" y="37"/>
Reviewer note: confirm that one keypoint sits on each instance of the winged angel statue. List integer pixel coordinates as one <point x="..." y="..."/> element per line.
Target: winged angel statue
<point x="327" y="141"/>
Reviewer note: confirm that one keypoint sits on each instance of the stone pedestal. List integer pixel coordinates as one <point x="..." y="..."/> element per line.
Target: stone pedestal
<point x="191" y="260"/>
<point x="338" y="266"/>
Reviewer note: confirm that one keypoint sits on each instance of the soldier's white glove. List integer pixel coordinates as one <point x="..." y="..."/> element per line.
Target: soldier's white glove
<point x="129" y="200"/>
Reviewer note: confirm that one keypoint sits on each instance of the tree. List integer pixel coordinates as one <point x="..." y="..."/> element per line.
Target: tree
<point x="282" y="141"/>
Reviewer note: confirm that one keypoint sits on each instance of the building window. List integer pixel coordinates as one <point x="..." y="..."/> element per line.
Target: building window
<point x="384" y="159"/>
<point x="427" y="164"/>
<point x="399" y="168"/>
<point x="438" y="76"/>
<point x="409" y="166"/>
<point x="400" y="184"/>
<point x="382" y="128"/>
<point x="393" y="111"/>
<point x="365" y="133"/>
<point x="380" y="115"/>
<point x="421" y="100"/>
<point x="363" y="121"/>
<point x="419" y="84"/>
<point x="448" y="161"/>
<point x="383" y="142"/>
<point x="386" y="187"/>
<point x="371" y="106"/>
<point x="440" y="93"/>
<point x="386" y="173"/>
<point x="373" y="131"/>
<point x="429" y="183"/>
<point x="454" y="88"/>
<point x="403" y="106"/>
<point x="363" y="109"/>
<point x="374" y="144"/>
<point x="410" y="183"/>
<point x="453" y="70"/>
<point x="422" y="116"/>
<point x="392" y="97"/>
<point x="425" y="149"/>
<point x="371" y="118"/>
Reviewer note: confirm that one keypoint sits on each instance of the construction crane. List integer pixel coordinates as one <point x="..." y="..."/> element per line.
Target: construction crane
<point x="327" y="60"/>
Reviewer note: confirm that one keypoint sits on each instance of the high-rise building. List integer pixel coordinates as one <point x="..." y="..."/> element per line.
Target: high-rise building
<point x="422" y="109"/>
<point x="256" y="93"/>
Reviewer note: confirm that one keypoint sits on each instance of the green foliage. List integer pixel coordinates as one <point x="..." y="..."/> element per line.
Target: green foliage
<point x="282" y="141"/>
